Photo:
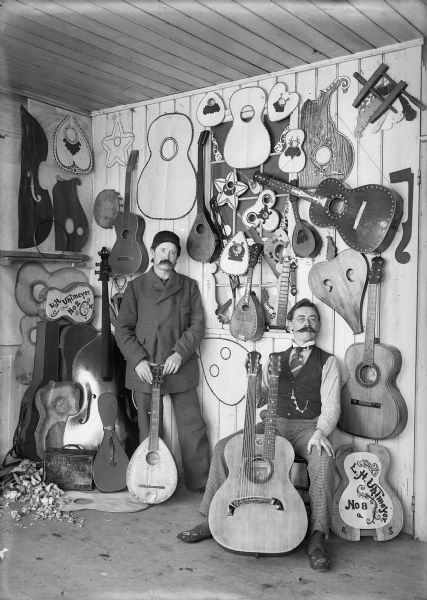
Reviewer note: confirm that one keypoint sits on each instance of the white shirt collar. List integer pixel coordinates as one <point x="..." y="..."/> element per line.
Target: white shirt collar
<point x="306" y="346"/>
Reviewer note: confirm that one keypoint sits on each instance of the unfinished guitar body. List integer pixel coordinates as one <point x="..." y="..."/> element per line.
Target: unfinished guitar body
<point x="340" y="283"/>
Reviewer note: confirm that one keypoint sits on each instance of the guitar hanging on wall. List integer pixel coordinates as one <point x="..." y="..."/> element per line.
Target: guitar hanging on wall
<point x="366" y="217"/>
<point x="71" y="224"/>
<point x="203" y="242"/>
<point x="371" y="404"/>
<point x="71" y="147"/>
<point x="129" y="254"/>
<point x="257" y="510"/>
<point x="151" y="475"/>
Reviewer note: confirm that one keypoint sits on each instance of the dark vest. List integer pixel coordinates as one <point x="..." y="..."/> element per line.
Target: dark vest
<point x="305" y="386"/>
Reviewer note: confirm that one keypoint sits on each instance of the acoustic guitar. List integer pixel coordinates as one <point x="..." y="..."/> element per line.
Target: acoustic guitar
<point x="371" y="404"/>
<point x="366" y="217"/>
<point x="129" y="254"/>
<point x="111" y="461"/>
<point x="152" y="475"/>
<point x="203" y="242"/>
<point x="257" y="510"/>
<point x="248" y="321"/>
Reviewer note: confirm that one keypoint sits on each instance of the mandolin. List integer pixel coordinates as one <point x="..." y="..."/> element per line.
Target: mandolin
<point x="371" y="404"/>
<point x="203" y="242"/>
<point x="151" y="475"/>
<point x="99" y="368"/>
<point x="248" y="320"/>
<point x="366" y="217"/>
<point x="257" y="510"/>
<point x="306" y="242"/>
<point x="129" y="254"/>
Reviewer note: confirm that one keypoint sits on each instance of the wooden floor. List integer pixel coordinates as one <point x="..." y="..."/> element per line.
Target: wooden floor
<point x="136" y="556"/>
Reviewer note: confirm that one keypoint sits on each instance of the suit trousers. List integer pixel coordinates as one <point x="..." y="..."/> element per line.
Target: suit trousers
<point x="320" y="470"/>
<point x="192" y="436"/>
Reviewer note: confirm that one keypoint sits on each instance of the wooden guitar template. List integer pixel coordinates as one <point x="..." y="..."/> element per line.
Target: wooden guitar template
<point x="366" y="217"/>
<point x="71" y="147"/>
<point x="71" y="224"/>
<point x="364" y="501"/>
<point x="371" y="404"/>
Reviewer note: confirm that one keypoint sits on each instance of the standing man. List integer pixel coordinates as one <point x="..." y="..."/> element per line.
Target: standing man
<point x="308" y="410"/>
<point x="161" y="321"/>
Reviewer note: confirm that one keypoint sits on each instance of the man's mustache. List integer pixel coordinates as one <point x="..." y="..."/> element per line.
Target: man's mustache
<point x="166" y="261"/>
<point x="307" y="328"/>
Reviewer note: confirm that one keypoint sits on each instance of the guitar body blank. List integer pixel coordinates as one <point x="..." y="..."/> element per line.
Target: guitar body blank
<point x="258" y="527"/>
<point x="151" y="475"/>
<point x="366" y="217"/>
<point x="371" y="404"/>
<point x="248" y="319"/>
<point x="129" y="254"/>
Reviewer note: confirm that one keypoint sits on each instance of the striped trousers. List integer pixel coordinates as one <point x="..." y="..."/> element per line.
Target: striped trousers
<point x="320" y="470"/>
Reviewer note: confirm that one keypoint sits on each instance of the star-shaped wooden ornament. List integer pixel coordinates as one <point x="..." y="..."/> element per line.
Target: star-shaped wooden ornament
<point x="117" y="145"/>
<point x="229" y="190"/>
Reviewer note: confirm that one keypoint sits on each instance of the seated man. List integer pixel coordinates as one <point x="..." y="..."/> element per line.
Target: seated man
<point x="308" y="410"/>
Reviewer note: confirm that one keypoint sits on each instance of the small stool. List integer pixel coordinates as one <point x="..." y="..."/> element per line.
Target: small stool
<point x="299" y="477"/>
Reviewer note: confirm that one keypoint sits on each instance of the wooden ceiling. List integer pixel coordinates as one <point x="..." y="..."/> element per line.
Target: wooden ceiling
<point x="90" y="55"/>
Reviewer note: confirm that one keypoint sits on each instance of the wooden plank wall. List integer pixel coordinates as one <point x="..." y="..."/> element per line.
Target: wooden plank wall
<point x="223" y="381"/>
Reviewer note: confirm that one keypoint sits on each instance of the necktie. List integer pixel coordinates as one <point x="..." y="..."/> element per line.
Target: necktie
<point x="297" y="361"/>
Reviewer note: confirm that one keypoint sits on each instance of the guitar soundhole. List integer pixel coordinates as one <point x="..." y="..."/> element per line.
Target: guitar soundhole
<point x="169" y="148"/>
<point x="323" y="155"/>
<point x="247" y="113"/>
<point x="301" y="236"/>
<point x="200" y="229"/>
<point x="368" y="375"/>
<point x="152" y="458"/>
<point x="336" y="207"/>
<point x="259" y="470"/>
<point x="125" y="234"/>
<point x="245" y="307"/>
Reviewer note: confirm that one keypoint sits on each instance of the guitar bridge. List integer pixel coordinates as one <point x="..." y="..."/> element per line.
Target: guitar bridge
<point x="253" y="500"/>
<point x="366" y="403"/>
<point x="153" y="487"/>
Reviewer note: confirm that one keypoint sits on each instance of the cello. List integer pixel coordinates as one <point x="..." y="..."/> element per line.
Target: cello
<point x="99" y="368"/>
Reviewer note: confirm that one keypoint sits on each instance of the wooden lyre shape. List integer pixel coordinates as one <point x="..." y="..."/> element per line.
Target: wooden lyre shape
<point x="371" y="404"/>
<point x="257" y="510"/>
<point x="152" y="475"/>
<point x="129" y="254"/>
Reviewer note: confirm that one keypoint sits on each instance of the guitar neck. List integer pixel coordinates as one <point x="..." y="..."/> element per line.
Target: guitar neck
<point x="248" y="285"/>
<point x="270" y="421"/>
<point x="200" y="181"/>
<point x="295" y="210"/>
<point x="282" y="305"/>
<point x="248" y="449"/>
<point x="107" y="349"/>
<point x="287" y="188"/>
<point x="371" y="313"/>
<point x="153" y="440"/>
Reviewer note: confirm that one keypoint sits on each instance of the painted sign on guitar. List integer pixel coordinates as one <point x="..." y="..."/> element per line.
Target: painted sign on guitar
<point x="167" y="184"/>
<point x="76" y="303"/>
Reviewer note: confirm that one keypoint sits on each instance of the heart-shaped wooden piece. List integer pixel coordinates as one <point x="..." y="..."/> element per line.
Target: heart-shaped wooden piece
<point x="340" y="283"/>
<point x="280" y="102"/>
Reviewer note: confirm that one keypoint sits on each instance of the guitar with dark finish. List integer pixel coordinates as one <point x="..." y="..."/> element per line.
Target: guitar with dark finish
<point x="257" y="510"/>
<point x="99" y="368"/>
<point x="306" y="242"/>
<point x="203" y="242"/>
<point x="151" y="475"/>
<point x="35" y="210"/>
<point x="248" y="319"/>
<point x="111" y="461"/>
<point x="129" y="254"/>
<point x="366" y="217"/>
<point x="371" y="404"/>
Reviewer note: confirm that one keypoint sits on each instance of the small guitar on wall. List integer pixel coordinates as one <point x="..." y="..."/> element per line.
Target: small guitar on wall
<point x="248" y="320"/>
<point x="371" y="404"/>
<point x="129" y="254"/>
<point x="151" y="475"/>
<point x="367" y="217"/>
<point x="203" y="242"/>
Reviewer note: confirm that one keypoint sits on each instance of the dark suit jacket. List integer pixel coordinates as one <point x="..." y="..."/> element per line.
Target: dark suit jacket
<point x="156" y="320"/>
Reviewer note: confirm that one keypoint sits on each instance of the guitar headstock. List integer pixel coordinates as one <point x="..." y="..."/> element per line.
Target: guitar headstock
<point x="105" y="269"/>
<point x="203" y="137"/>
<point x="274" y="364"/>
<point x="261" y="178"/>
<point x="132" y="161"/>
<point x="253" y="363"/>
<point x="254" y="254"/>
<point x="376" y="272"/>
<point x="157" y="371"/>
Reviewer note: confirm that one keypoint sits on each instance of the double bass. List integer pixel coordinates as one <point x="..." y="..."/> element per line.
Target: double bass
<point x="99" y="368"/>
